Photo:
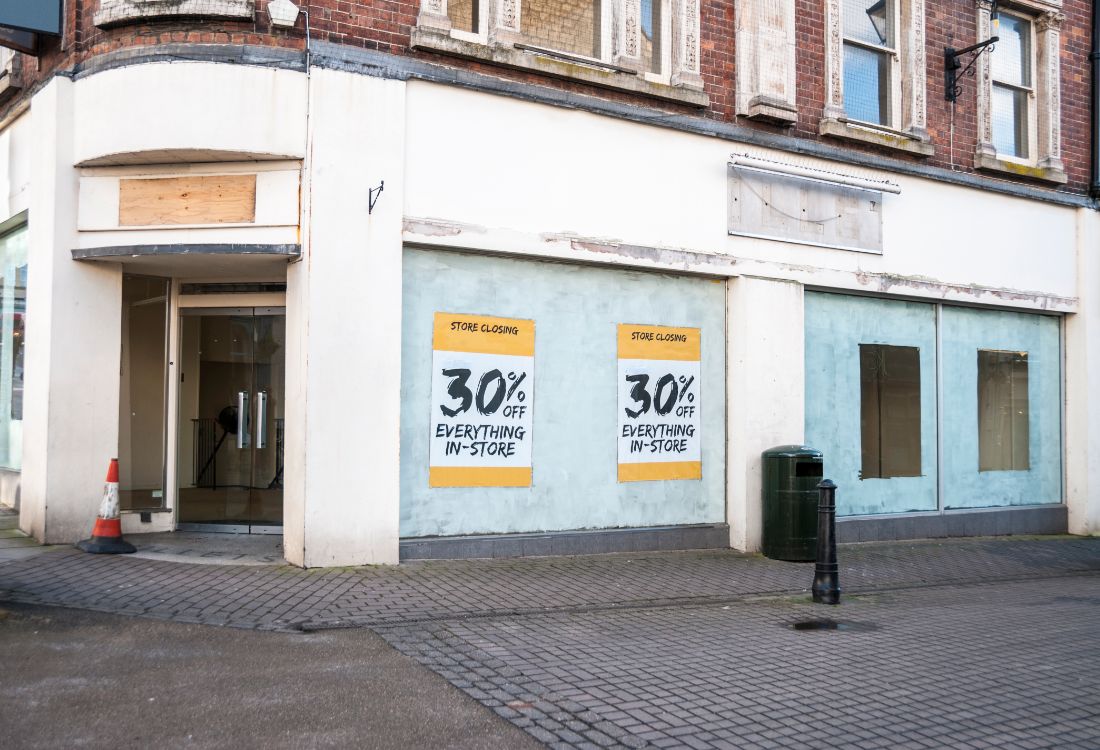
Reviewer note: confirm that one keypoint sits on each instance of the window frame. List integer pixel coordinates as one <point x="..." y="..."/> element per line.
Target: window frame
<point x="621" y="64"/>
<point x="908" y="129"/>
<point x="893" y="55"/>
<point x="1044" y="160"/>
<point x="1032" y="106"/>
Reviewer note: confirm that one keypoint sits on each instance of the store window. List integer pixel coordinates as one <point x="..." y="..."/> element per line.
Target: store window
<point x="142" y="392"/>
<point x="13" y="313"/>
<point x="923" y="407"/>
<point x="1002" y="411"/>
<point x="889" y="411"/>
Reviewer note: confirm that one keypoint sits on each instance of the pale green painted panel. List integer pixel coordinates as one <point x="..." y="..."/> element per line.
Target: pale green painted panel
<point x="835" y="327"/>
<point x="576" y="310"/>
<point x="965" y="331"/>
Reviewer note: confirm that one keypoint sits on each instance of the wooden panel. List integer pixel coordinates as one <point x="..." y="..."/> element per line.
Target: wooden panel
<point x="210" y="199"/>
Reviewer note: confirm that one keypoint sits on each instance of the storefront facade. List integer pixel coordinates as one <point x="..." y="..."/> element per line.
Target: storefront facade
<point x="396" y="310"/>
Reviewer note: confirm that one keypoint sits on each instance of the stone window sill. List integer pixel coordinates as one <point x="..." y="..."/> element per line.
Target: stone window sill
<point x="891" y="139"/>
<point x="1053" y="173"/>
<point x="115" y="12"/>
<point x="595" y="73"/>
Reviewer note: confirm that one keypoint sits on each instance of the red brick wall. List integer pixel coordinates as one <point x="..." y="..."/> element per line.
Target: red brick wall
<point x="385" y="25"/>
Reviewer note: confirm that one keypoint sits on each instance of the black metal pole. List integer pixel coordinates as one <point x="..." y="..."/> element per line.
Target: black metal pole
<point x="826" y="588"/>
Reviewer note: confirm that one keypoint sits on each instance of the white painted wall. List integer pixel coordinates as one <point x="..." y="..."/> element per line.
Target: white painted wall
<point x="181" y="106"/>
<point x="1082" y="396"/>
<point x="344" y="331"/>
<point x="529" y="177"/>
<point x="73" y="343"/>
<point x="766" y="376"/>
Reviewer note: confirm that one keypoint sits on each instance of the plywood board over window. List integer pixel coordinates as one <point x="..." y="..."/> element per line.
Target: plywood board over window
<point x="203" y="199"/>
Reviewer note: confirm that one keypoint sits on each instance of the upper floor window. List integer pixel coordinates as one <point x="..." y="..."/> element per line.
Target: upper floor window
<point x="1019" y="90"/>
<point x="650" y="46"/>
<point x="1012" y="67"/>
<point x="572" y="26"/>
<point x="870" y="49"/>
<point x="875" y="73"/>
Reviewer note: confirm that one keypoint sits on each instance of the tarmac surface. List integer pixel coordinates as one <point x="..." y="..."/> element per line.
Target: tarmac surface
<point x="85" y="679"/>
<point x="938" y="644"/>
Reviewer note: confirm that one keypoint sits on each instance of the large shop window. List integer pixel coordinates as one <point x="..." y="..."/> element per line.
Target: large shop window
<point x="13" y="313"/>
<point x="872" y="391"/>
<point x="142" y="392"/>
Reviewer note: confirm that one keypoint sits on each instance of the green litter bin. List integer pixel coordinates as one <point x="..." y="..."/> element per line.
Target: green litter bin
<point x="791" y="475"/>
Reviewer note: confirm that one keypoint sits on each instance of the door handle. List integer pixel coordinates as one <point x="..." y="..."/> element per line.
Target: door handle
<point x="261" y="419"/>
<point x="243" y="413"/>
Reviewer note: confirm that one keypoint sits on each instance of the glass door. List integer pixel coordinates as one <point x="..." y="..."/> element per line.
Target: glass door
<point x="231" y="370"/>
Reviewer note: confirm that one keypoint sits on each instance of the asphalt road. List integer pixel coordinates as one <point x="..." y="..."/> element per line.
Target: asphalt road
<point x="82" y="679"/>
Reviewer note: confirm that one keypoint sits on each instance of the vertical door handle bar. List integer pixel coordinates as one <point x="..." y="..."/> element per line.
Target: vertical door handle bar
<point x="261" y="419"/>
<point x="242" y="419"/>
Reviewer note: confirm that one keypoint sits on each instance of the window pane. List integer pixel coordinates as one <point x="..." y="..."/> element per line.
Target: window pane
<point x="141" y="392"/>
<point x="652" y="39"/>
<point x="13" y="310"/>
<point x="463" y="15"/>
<point x="870" y="21"/>
<point x="571" y="26"/>
<point x="1012" y="54"/>
<point x="867" y="84"/>
<point x="889" y="378"/>
<point x="1010" y="117"/>
<point x="1002" y="411"/>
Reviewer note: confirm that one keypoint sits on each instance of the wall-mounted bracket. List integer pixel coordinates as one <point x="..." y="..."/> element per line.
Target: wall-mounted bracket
<point x="953" y="68"/>
<point x="373" y="194"/>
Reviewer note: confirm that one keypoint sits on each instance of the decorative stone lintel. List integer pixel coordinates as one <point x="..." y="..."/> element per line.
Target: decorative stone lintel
<point x="509" y="56"/>
<point x="114" y="12"/>
<point x="915" y="142"/>
<point x="1052" y="171"/>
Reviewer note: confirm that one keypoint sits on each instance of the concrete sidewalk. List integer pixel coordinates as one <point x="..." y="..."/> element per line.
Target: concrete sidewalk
<point x="287" y="598"/>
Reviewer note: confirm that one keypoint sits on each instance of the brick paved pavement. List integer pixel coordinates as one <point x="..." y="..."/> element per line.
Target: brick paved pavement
<point x="688" y="649"/>
<point x="968" y="666"/>
<point x="283" y="597"/>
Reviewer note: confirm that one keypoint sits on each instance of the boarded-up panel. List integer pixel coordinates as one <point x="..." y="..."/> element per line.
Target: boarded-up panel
<point x="794" y="209"/>
<point x="209" y="199"/>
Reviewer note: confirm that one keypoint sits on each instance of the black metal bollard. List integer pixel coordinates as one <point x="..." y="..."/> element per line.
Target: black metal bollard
<point x="826" y="588"/>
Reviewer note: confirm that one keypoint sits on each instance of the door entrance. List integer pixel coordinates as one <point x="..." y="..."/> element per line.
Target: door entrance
<point x="231" y="406"/>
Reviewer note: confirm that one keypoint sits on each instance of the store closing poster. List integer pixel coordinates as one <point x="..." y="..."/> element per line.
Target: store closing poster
<point x="483" y="376"/>
<point x="659" y="389"/>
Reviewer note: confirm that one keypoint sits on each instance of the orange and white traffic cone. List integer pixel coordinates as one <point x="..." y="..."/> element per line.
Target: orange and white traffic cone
<point x="107" y="534"/>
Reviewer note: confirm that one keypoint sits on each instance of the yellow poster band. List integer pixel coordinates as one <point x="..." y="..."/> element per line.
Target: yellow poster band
<point x="658" y="342"/>
<point x="663" y="470"/>
<point x="481" y="334"/>
<point x="479" y="476"/>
